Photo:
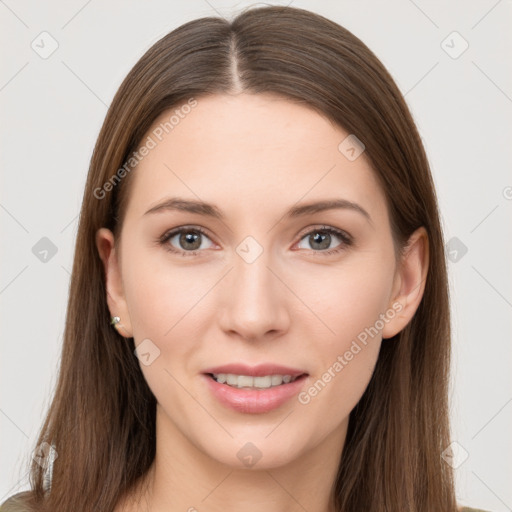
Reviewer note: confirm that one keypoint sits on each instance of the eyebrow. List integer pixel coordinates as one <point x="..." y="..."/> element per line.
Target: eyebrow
<point x="210" y="210"/>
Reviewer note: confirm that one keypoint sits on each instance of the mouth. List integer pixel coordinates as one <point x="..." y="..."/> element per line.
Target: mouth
<point x="254" y="389"/>
<point x="254" y="383"/>
<point x="254" y="394"/>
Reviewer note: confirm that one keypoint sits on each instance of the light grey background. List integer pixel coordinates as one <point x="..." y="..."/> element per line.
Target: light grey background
<point x="52" y="110"/>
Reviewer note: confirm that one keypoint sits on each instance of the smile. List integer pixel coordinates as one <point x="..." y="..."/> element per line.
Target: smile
<point x="247" y="381"/>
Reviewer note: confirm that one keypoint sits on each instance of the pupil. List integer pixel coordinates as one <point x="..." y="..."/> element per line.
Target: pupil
<point x="190" y="238"/>
<point x="322" y="239"/>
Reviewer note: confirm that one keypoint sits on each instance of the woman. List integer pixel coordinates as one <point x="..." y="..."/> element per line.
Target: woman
<point x="258" y="314"/>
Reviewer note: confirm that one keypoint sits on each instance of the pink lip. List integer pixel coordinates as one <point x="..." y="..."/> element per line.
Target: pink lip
<point x="255" y="371"/>
<point x="253" y="401"/>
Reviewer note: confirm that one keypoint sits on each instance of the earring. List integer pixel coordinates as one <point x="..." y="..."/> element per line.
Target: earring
<point x="114" y="321"/>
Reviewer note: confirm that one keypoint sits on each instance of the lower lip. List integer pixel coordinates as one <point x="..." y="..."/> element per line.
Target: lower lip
<point x="253" y="401"/>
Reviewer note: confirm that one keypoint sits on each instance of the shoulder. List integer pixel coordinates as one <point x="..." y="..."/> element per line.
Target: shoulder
<point x="16" y="503"/>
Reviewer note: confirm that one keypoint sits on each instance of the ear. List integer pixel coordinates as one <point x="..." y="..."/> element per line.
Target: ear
<point x="409" y="283"/>
<point x="116" y="301"/>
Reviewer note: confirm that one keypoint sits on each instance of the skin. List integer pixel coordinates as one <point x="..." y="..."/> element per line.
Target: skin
<point x="254" y="156"/>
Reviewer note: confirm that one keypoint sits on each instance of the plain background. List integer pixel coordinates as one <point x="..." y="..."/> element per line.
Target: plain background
<point x="52" y="110"/>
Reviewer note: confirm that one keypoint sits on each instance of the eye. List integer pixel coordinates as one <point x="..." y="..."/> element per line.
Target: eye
<point x="189" y="241"/>
<point x="320" y="239"/>
<point x="185" y="241"/>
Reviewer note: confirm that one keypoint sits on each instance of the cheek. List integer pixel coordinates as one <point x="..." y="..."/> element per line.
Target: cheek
<point x="348" y="297"/>
<point x="360" y="300"/>
<point x="344" y="361"/>
<point x="165" y="302"/>
<point x="159" y="293"/>
<point x="162" y="299"/>
<point x="350" y="305"/>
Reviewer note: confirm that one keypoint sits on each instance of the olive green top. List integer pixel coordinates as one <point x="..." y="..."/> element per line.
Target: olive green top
<point x="13" y="505"/>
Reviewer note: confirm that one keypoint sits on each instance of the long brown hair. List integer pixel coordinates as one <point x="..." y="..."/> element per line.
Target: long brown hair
<point x="101" y="421"/>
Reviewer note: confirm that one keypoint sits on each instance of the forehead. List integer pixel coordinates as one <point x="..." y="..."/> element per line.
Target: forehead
<point x="248" y="151"/>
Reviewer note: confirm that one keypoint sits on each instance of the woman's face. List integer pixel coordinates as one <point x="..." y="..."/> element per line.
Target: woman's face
<point x="261" y="282"/>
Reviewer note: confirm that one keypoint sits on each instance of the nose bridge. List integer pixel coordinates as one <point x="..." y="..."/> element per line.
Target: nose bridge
<point x="255" y="300"/>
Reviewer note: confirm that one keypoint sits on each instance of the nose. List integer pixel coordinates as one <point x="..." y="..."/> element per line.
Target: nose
<point x="255" y="302"/>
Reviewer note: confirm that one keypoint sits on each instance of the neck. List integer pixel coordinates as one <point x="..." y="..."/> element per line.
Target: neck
<point x="184" y="478"/>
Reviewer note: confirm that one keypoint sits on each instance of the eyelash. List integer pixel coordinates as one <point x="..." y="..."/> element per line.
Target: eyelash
<point x="346" y="239"/>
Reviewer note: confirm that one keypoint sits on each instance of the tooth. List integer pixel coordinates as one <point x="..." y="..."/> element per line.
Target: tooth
<point x="262" y="382"/>
<point x="231" y="379"/>
<point x="276" y="380"/>
<point x="245" y="381"/>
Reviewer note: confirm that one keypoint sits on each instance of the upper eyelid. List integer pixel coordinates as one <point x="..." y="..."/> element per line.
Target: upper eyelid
<point x="323" y="227"/>
<point x="174" y="231"/>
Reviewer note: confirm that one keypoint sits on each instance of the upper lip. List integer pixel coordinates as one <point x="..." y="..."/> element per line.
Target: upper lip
<point x="255" y="371"/>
